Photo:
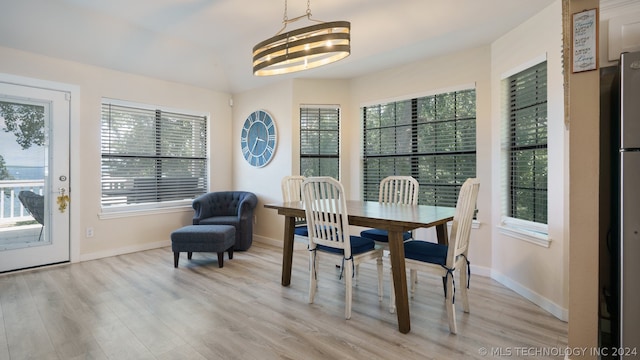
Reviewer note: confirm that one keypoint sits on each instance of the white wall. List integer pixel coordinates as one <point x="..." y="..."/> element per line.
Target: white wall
<point x="134" y="232"/>
<point x="536" y="272"/>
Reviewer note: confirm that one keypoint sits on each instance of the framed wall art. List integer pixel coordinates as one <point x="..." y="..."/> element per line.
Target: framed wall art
<point x="584" y="47"/>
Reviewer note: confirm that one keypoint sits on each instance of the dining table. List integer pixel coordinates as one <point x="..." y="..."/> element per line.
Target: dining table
<point x="395" y="218"/>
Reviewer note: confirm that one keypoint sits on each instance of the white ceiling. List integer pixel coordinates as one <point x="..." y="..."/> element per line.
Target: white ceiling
<point x="208" y="43"/>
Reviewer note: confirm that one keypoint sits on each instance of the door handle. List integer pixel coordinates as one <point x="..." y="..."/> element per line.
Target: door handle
<point x="63" y="199"/>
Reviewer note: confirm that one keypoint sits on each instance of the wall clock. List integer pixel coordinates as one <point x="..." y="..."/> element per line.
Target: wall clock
<point x="258" y="138"/>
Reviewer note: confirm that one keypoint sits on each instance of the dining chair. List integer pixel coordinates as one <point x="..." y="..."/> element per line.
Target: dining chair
<point x="394" y="190"/>
<point x="329" y="234"/>
<point x="292" y="191"/>
<point x="445" y="260"/>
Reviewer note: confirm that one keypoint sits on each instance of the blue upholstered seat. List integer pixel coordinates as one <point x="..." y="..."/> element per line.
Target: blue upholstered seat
<point x="359" y="245"/>
<point x="203" y="238"/>
<point x="426" y="251"/>
<point x="220" y="220"/>
<point x="382" y="235"/>
<point x="228" y="208"/>
<point x="301" y="231"/>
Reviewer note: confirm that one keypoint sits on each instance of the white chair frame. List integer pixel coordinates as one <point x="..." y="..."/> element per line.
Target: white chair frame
<point x="328" y="224"/>
<point x="457" y="254"/>
<point x="399" y="190"/>
<point x="292" y="191"/>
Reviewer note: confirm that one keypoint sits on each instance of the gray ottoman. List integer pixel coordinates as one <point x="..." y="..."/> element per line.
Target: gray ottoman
<point x="203" y="238"/>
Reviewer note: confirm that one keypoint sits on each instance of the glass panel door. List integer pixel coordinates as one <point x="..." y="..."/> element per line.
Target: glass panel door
<point x="34" y="171"/>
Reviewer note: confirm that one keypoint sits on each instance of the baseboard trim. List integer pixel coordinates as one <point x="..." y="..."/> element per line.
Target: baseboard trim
<point x="548" y="305"/>
<point x="124" y="250"/>
<point x="480" y="271"/>
<point x="159" y="244"/>
<point x="297" y="244"/>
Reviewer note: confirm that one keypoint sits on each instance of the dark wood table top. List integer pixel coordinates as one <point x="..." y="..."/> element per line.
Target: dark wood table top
<point x="382" y="216"/>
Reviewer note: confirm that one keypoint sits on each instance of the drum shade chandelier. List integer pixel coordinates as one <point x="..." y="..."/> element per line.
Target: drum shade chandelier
<point x="304" y="48"/>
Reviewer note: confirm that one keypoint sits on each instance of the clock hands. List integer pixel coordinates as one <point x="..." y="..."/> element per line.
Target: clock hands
<point x="256" y="143"/>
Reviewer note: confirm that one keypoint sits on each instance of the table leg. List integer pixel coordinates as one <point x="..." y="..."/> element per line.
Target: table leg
<point x="287" y="251"/>
<point x="396" y="249"/>
<point x="442" y="233"/>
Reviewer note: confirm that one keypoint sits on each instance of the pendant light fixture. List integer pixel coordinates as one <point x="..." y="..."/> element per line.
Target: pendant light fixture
<point x="304" y="48"/>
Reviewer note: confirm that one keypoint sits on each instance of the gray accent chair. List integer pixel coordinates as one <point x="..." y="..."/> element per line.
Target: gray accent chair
<point x="228" y="208"/>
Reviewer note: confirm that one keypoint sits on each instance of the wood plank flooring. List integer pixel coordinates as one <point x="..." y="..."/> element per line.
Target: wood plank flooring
<point x="137" y="306"/>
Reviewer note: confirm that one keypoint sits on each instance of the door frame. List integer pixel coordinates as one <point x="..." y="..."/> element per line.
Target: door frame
<point x="74" y="156"/>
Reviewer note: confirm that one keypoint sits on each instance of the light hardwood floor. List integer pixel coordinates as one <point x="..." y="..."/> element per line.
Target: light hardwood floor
<point x="137" y="306"/>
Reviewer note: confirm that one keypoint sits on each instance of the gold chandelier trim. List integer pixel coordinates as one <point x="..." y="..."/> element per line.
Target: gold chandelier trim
<point x="301" y="49"/>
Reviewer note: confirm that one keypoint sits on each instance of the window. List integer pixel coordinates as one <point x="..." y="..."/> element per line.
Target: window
<point x="151" y="156"/>
<point x="320" y="141"/>
<point x="526" y="145"/>
<point x="431" y="138"/>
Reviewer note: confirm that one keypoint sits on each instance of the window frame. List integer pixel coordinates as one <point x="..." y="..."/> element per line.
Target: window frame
<point x="319" y="155"/>
<point x="530" y="231"/>
<point x="370" y="192"/>
<point x="124" y="210"/>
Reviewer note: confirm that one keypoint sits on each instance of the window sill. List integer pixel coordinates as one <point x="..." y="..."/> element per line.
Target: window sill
<point x="533" y="237"/>
<point x="475" y="224"/>
<point x="124" y="212"/>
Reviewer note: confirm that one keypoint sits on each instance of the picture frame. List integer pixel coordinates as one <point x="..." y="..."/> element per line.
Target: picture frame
<point x="584" y="41"/>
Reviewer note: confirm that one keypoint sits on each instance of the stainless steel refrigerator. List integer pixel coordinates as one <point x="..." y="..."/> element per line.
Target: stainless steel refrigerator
<point x="627" y="202"/>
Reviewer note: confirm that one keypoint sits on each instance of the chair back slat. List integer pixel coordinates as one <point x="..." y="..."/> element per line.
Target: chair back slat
<point x="292" y="191"/>
<point x="399" y="190"/>
<point x="463" y="219"/>
<point x="292" y="188"/>
<point x="326" y="212"/>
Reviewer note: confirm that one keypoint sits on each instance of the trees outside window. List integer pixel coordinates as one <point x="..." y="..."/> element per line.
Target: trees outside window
<point x="320" y="141"/>
<point x="526" y="144"/>
<point x="432" y="138"/>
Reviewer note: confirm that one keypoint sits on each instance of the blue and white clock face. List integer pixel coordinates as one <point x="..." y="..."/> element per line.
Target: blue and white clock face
<point x="258" y="138"/>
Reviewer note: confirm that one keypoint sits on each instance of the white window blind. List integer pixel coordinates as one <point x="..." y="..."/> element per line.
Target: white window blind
<point x="320" y="141"/>
<point x="431" y="138"/>
<point x="151" y="156"/>
<point x="527" y="144"/>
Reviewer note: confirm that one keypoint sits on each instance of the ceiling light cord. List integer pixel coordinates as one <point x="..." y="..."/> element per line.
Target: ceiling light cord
<point x="286" y="21"/>
<point x="285" y="18"/>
